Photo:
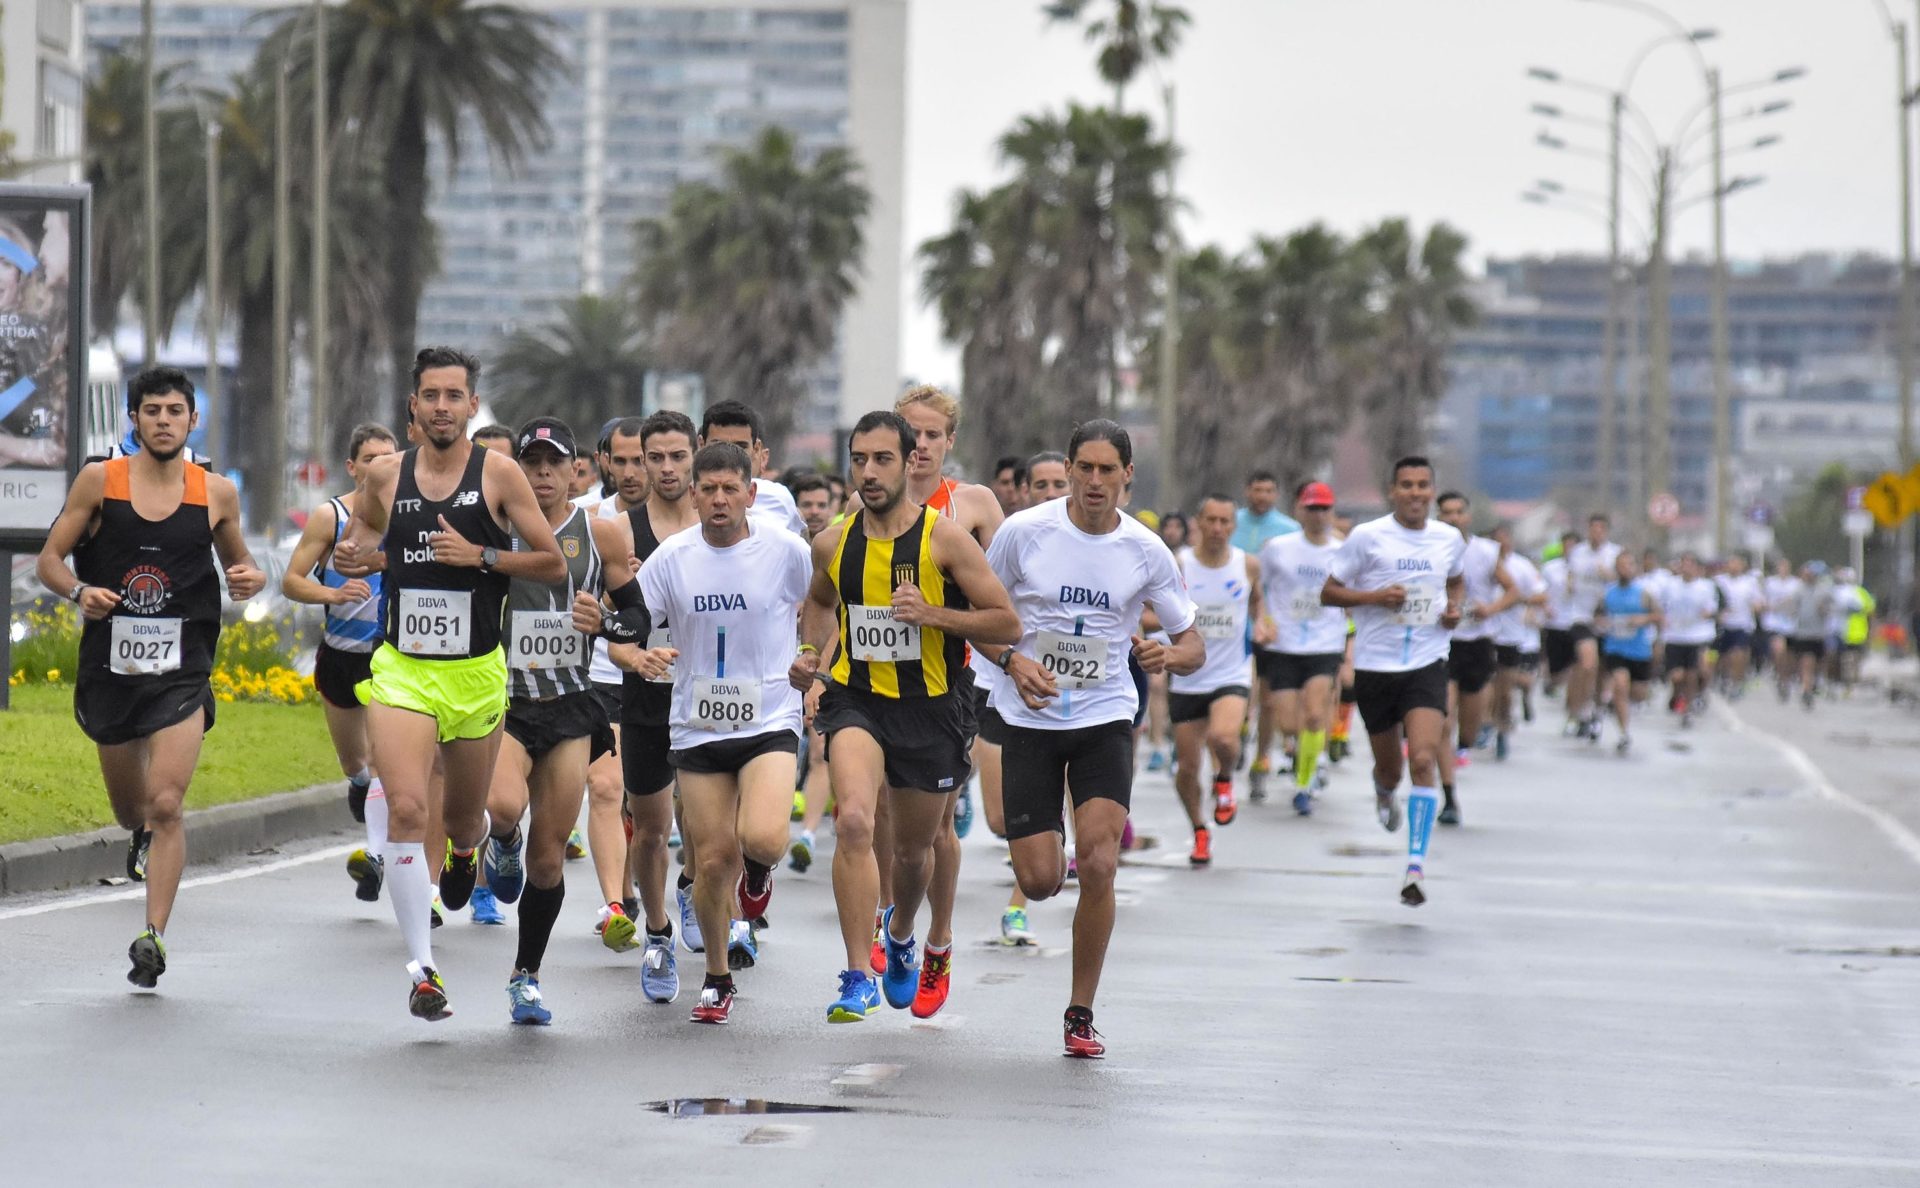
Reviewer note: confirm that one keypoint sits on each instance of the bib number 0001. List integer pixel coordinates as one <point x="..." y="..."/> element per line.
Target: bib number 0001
<point x="878" y="636"/>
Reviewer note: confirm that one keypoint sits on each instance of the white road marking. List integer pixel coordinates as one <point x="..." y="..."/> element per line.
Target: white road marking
<point x="138" y="892"/>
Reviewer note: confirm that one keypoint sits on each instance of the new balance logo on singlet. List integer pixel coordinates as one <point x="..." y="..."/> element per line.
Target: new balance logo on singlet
<point x="466" y="499"/>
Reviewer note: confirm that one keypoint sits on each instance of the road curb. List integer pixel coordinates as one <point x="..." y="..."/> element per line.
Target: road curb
<point x="84" y="859"/>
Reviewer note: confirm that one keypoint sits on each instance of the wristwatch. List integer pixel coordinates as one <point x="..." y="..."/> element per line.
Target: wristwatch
<point x="489" y="557"/>
<point x="74" y="594"/>
<point x="1005" y="659"/>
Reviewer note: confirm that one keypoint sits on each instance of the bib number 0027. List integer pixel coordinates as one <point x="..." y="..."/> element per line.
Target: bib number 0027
<point x="144" y="647"/>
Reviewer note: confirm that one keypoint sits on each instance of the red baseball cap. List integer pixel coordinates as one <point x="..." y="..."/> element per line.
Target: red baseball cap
<point x="1316" y="495"/>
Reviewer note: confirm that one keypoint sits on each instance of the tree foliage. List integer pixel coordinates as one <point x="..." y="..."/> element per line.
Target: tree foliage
<point x="1130" y="35"/>
<point x="586" y="364"/>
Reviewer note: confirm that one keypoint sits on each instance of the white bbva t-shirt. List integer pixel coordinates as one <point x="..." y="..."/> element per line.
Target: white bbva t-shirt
<point x="1690" y="608"/>
<point x="1293" y="571"/>
<point x="773" y="501"/>
<point x="1739" y="594"/>
<point x="1222" y="599"/>
<point x="1783" y="595"/>
<point x="1385" y="552"/>
<point x="731" y="613"/>
<point x="1079" y="597"/>
<point x="1513" y="627"/>
<point x="1481" y="563"/>
<point x="1561" y="614"/>
<point x="1593" y="571"/>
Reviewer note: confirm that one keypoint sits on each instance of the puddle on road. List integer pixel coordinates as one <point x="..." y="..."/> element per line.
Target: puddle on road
<point x="1888" y="951"/>
<point x="1353" y="850"/>
<point x="1358" y="981"/>
<point x="722" y="1107"/>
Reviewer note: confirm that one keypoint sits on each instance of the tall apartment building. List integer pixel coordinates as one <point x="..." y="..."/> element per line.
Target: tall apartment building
<point x="651" y="88"/>
<point x="1812" y="368"/>
<point x="43" y="91"/>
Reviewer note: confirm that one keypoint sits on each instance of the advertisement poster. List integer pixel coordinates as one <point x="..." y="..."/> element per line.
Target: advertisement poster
<point x="43" y="355"/>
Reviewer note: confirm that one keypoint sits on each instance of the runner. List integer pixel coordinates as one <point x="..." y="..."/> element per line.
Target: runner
<point x="143" y="531"/>
<point x="1046" y="477"/>
<point x="1781" y="591"/>
<point x="1010" y="484"/>
<point x="1630" y="617"/>
<point x="555" y="726"/>
<point x="1590" y="570"/>
<point x="1847" y="628"/>
<point x="666" y="442"/>
<point x="1516" y="640"/>
<point x="1472" y="659"/>
<point x="1209" y="705"/>
<point x="351" y="632"/>
<point x="1690" y="609"/>
<point x="728" y="594"/>
<point x="494" y="437"/>
<point x="813" y="495"/>
<point x="1740" y="601"/>
<point x="1807" y="638"/>
<point x="1301" y="664"/>
<point x="1080" y="574"/>
<point x="1404" y="577"/>
<point x="734" y="422"/>
<point x="1258" y="522"/>
<point x="439" y="676"/>
<point x="897" y="590"/>
<point x="1556" y="634"/>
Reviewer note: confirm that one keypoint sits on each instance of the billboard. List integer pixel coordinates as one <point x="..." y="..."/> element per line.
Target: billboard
<point x="43" y="355"/>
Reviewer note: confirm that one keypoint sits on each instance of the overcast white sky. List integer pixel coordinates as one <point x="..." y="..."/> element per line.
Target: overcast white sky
<point x="1348" y="111"/>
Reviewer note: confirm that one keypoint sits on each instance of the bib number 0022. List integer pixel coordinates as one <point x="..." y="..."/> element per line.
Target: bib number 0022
<point x="1074" y="661"/>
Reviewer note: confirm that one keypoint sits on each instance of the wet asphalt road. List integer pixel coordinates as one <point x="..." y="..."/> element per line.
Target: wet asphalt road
<point x="1695" y="966"/>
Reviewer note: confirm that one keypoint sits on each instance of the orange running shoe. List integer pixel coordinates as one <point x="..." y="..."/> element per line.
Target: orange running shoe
<point x="936" y="972"/>
<point x="878" y="957"/>
<point x="1224" y="807"/>
<point x="1202" y="847"/>
<point x="1082" y="1040"/>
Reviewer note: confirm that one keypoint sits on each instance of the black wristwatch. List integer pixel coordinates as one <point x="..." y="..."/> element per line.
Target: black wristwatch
<point x="489" y="557"/>
<point x="1005" y="659"/>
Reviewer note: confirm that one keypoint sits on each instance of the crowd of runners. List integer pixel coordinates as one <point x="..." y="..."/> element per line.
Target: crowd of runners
<point x="520" y="627"/>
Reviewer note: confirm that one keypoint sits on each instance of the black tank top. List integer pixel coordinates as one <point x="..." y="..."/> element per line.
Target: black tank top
<point x="422" y="611"/>
<point x="644" y="702"/>
<point x="168" y="620"/>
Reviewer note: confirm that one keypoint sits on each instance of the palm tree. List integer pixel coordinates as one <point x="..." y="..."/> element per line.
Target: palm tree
<point x="745" y="278"/>
<point x="1420" y="295"/>
<point x="415" y="69"/>
<point x="1132" y="35"/>
<point x="584" y="366"/>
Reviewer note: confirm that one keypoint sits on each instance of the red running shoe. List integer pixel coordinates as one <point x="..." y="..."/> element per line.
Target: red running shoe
<point x="1082" y="1040"/>
<point x="1224" y="808"/>
<point x="878" y="957"/>
<point x="1202" y="848"/>
<point x="753" y="907"/>
<point x="716" y="1002"/>
<point x="936" y="971"/>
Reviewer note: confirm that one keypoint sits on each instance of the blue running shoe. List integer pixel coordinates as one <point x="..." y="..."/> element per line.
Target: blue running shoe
<point x="524" y="1002"/>
<point x="901" y="978"/>
<point x="743" y="949"/>
<point x="1303" y="803"/>
<point x="1157" y="760"/>
<point x="963" y="812"/>
<point x="859" y="997"/>
<point x="689" y="923"/>
<point x="506" y="867"/>
<point x="485" y="909"/>
<point x="659" y="977"/>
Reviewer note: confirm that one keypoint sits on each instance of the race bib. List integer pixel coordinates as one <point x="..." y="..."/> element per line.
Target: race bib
<point x="545" y="640"/>
<point x="144" y="647"/>
<point x="725" y="704"/>
<point x="1304" y="605"/>
<point x="1422" y="607"/>
<point x="661" y="637"/>
<point x="1074" y="661"/>
<point x="435" y="622"/>
<point x="1217" y="622"/>
<point x="876" y="635"/>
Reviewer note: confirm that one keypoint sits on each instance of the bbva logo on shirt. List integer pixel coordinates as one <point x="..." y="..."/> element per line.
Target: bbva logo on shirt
<point x="704" y="603"/>
<point x="1081" y="596"/>
<point x="1413" y="565"/>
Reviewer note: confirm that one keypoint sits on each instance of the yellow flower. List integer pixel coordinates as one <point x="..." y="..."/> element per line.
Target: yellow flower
<point x="53" y="674"/>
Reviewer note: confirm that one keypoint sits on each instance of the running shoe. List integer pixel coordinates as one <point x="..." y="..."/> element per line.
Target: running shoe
<point x="524" y="1004"/>
<point x="1202" y="847"/>
<point x="438" y="909"/>
<point x="1257" y="779"/>
<point x="486" y="909"/>
<point x="1014" y="929"/>
<point x="1082" y="1040"/>
<point x="1410" y="892"/>
<point x="149" y="956"/>
<point x="753" y="903"/>
<point x="963" y="811"/>
<point x="799" y="804"/>
<point x="616" y="928"/>
<point x="659" y="975"/>
<point x="138" y="846"/>
<point x="576" y="846"/>
<point x="743" y="948"/>
<point x="859" y="997"/>
<point x="801" y="855"/>
<point x="428" y="999"/>
<point x="1157" y="760"/>
<point x="1462" y="757"/>
<point x="1450" y="813"/>
<point x="357" y="799"/>
<point x="1386" y="806"/>
<point x="368" y="874"/>
<point x="631" y="906"/>
<point x="716" y="1003"/>
<point x="1337" y="749"/>
<point x="689" y="922"/>
<point x="1623" y="746"/>
<point x="897" y="980"/>
<point x="506" y="866"/>
<point x="1303" y="803"/>
<point x="877" y="956"/>
<point x="1500" y="746"/>
<point x="458" y="874"/>
<point x="936" y="975"/>
<point x="1224" y="808"/>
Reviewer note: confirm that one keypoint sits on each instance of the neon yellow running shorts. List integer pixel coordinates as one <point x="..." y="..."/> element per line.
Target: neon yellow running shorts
<point x="467" y="698"/>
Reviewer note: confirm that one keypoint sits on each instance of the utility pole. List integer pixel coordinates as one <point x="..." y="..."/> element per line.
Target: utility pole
<point x="1722" y="346"/>
<point x="1903" y="336"/>
<point x="1170" y="495"/>
<point x="216" y="433"/>
<point x="1659" y="476"/>
<point x="273" y="481"/>
<point x="317" y="315"/>
<point x="150" y="138"/>
<point x="1610" y="333"/>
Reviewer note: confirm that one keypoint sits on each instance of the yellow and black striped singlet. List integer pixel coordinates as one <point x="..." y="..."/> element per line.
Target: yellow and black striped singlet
<point x="866" y="571"/>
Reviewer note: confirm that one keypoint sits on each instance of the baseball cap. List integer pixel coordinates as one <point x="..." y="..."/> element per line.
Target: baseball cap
<point x="1316" y="495"/>
<point x="545" y="431"/>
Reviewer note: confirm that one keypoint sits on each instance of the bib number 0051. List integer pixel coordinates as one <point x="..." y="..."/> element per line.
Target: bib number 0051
<point x="435" y="622"/>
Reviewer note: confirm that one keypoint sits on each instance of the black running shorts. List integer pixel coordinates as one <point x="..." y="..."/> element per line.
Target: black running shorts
<point x="115" y="710"/>
<point x="1800" y="646"/>
<point x="924" y="741"/>
<point x="646" y="763"/>
<point x="1471" y="664"/>
<point x="1638" y="671"/>
<point x="335" y="673"/>
<point x="1041" y="767"/>
<point x="540" y="726"/>
<point x="1197" y="707"/>
<point x="729" y="755"/>
<point x="1284" y="672"/>
<point x="1683" y="656"/>
<point x="1510" y="656"/>
<point x="1386" y="698"/>
<point x="1556" y="646"/>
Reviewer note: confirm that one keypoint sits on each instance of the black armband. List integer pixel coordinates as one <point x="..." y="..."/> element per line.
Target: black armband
<point x="629" y="622"/>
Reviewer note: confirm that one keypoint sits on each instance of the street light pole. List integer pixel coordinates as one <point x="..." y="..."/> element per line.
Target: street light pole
<point x="216" y="434"/>
<point x="317" y="315"/>
<point x="1722" y="347"/>
<point x="150" y="184"/>
<point x="1610" y="333"/>
<point x="1170" y="338"/>
<point x="1659" y="475"/>
<point x="273" y="482"/>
